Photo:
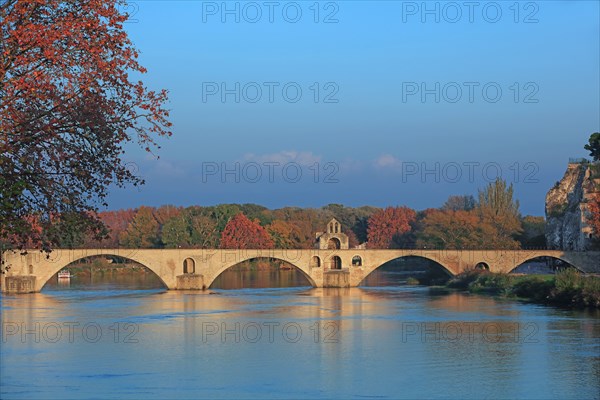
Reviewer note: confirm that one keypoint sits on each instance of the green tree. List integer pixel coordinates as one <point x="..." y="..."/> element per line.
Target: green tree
<point x="354" y="220"/>
<point x="192" y="228"/>
<point x="534" y="232"/>
<point x="255" y="211"/>
<point x="67" y="232"/>
<point x="455" y="203"/>
<point x="176" y="233"/>
<point x="205" y="232"/>
<point x="594" y="146"/>
<point x="222" y="214"/>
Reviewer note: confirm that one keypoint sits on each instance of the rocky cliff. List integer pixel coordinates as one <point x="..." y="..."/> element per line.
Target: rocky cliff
<point x="566" y="208"/>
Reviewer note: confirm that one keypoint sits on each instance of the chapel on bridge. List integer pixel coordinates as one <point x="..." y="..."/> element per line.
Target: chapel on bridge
<point x="333" y="238"/>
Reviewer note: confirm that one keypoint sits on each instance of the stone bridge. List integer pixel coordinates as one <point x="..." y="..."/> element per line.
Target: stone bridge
<point x="198" y="268"/>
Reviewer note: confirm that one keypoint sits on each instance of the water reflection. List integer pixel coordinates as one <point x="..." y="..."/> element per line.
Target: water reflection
<point x="124" y="278"/>
<point x="407" y="270"/>
<point x="252" y="279"/>
<point x="291" y="342"/>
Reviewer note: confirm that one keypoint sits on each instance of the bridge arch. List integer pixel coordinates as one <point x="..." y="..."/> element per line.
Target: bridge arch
<point x="439" y="265"/>
<point x="554" y="257"/>
<point x="53" y="269"/>
<point x="304" y="271"/>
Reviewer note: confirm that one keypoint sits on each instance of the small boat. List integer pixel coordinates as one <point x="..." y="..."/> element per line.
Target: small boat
<point x="64" y="274"/>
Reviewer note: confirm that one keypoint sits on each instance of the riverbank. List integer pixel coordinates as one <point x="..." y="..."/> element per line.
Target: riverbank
<point x="567" y="288"/>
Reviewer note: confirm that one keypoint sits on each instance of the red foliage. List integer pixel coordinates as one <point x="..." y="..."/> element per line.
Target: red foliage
<point x="116" y="222"/>
<point x="68" y="106"/>
<point x="165" y="213"/>
<point x="241" y="233"/>
<point x="35" y="230"/>
<point x="386" y="226"/>
<point x="594" y="210"/>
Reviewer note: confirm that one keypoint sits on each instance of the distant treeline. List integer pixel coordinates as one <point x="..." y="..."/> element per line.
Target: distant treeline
<point x="463" y="222"/>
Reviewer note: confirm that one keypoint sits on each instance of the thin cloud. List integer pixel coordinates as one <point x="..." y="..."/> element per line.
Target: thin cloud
<point x="306" y="158"/>
<point x="388" y="161"/>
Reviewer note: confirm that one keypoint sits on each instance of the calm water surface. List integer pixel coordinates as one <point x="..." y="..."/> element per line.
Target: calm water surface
<point x="125" y="337"/>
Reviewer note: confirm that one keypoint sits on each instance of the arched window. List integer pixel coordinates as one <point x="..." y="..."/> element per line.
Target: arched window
<point x="337" y="228"/>
<point x="333" y="244"/>
<point x="356" y="261"/>
<point x="30" y="269"/>
<point x="189" y="266"/>
<point x="315" y="262"/>
<point x="483" y="266"/>
<point x="335" y="263"/>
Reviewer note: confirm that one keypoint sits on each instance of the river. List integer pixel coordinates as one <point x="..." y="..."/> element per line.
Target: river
<point x="126" y="337"/>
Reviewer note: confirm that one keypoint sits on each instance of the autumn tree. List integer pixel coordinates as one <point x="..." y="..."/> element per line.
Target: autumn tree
<point x="387" y="227"/>
<point x="594" y="214"/>
<point x="284" y="234"/>
<point x="117" y="223"/>
<point x="68" y="106"/>
<point x="143" y="231"/>
<point x="494" y="222"/>
<point x="498" y="208"/>
<point x="241" y="233"/>
<point x="306" y="221"/>
<point x="165" y="213"/>
<point x="450" y="229"/>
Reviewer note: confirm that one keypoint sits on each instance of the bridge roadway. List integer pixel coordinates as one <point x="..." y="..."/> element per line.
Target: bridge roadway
<point x="198" y="268"/>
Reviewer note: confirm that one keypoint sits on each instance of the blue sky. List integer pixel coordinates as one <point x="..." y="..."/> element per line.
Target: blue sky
<point x="393" y="103"/>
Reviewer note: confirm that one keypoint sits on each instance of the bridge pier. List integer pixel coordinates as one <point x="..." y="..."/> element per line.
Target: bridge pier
<point x="337" y="278"/>
<point x="190" y="282"/>
<point x="18" y="284"/>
